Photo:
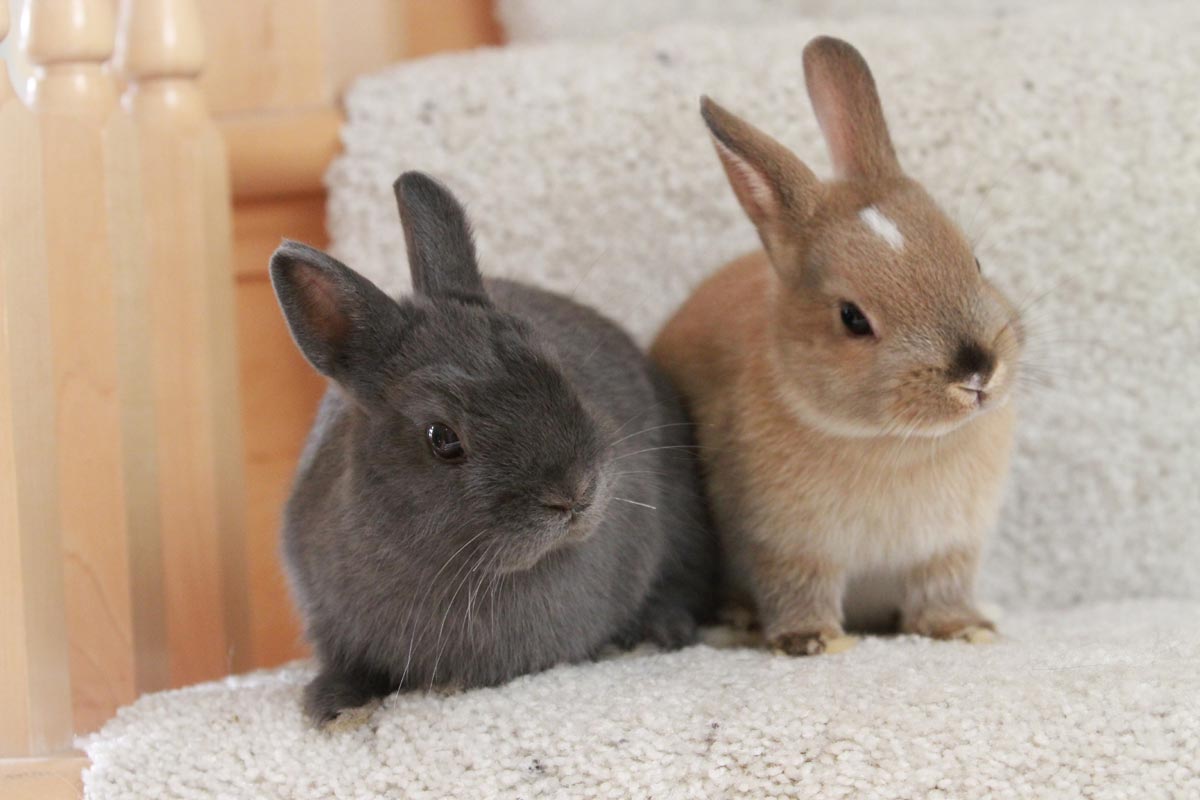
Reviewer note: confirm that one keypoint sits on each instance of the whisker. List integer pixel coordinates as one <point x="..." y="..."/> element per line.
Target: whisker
<point x="1023" y="308"/>
<point x="467" y="623"/>
<point x="587" y="273"/>
<point x="493" y="595"/>
<point x="655" y="449"/>
<point x="648" y="430"/>
<point x="442" y="629"/>
<point x="636" y="503"/>
<point x="621" y="427"/>
<point x="431" y="587"/>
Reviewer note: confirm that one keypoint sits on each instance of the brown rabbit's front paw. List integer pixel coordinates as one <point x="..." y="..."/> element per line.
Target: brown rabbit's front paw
<point x="964" y="625"/>
<point x="812" y="643"/>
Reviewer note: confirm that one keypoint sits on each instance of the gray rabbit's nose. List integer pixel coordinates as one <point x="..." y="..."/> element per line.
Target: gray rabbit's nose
<point x="564" y="505"/>
<point x="572" y="498"/>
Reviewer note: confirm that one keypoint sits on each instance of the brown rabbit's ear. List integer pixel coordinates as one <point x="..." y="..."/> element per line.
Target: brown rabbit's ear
<point x="848" y="109"/>
<point x="773" y="186"/>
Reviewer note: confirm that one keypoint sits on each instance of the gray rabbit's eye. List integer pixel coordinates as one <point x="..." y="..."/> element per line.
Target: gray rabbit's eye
<point x="444" y="442"/>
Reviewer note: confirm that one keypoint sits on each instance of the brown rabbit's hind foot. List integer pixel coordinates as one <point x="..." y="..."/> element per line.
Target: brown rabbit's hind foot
<point x="739" y="616"/>
<point x="829" y="641"/>
<point x="736" y="626"/>
<point x="976" y="634"/>
<point x="727" y="637"/>
<point x="963" y="626"/>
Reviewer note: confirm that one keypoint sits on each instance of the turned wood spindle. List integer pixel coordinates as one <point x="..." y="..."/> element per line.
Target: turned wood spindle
<point x="35" y="688"/>
<point x="185" y="192"/>
<point x="68" y="43"/>
<point x="106" y="484"/>
<point x="160" y="50"/>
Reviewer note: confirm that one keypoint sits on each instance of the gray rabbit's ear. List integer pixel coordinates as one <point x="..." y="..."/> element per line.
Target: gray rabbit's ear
<point x="441" y="252"/>
<point x="342" y="323"/>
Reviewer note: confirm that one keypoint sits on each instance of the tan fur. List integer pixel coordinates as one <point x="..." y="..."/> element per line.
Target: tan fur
<point x="831" y="457"/>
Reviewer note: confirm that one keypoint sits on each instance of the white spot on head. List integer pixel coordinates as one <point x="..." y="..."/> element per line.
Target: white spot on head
<point x="883" y="227"/>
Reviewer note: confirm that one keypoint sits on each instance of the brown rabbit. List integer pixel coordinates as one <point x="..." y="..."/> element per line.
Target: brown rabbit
<point x="850" y="383"/>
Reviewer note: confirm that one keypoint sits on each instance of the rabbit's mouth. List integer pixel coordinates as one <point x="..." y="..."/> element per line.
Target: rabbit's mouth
<point x="551" y="536"/>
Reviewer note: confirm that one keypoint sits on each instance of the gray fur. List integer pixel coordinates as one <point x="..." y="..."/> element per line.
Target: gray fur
<point x="413" y="573"/>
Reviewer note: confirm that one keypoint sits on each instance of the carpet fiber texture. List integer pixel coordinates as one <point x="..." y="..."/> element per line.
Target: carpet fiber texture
<point x="1100" y="702"/>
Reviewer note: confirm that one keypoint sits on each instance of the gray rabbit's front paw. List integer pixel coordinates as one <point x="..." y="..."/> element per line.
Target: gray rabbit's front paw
<point x="332" y="695"/>
<point x="670" y="627"/>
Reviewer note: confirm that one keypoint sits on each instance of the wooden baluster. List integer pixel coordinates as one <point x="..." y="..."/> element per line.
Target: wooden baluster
<point x="68" y="42"/>
<point x="106" y="482"/>
<point x="34" y="683"/>
<point x="186" y="199"/>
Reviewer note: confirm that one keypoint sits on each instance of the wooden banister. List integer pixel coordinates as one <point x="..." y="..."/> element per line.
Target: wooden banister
<point x="281" y="154"/>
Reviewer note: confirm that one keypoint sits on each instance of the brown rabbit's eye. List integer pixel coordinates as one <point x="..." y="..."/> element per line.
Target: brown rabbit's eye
<point x="978" y="266"/>
<point x="444" y="442"/>
<point x="855" y="320"/>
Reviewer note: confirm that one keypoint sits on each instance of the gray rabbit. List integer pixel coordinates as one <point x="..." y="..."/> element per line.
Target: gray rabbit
<point x="497" y="480"/>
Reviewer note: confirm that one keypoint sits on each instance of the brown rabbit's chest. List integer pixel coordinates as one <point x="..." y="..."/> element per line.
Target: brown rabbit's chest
<point x="859" y="504"/>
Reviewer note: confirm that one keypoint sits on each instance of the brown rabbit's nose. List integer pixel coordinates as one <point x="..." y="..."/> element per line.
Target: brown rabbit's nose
<point x="974" y="389"/>
<point x="971" y="370"/>
<point x="972" y="362"/>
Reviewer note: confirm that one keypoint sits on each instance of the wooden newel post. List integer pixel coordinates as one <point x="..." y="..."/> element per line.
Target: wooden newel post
<point x="187" y="246"/>
<point x="34" y="684"/>
<point x="105" y="485"/>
